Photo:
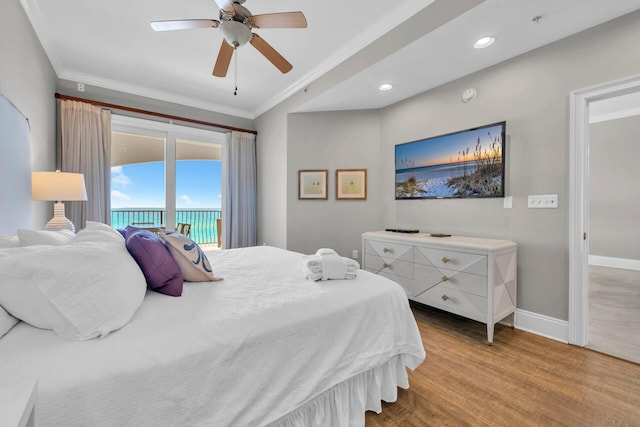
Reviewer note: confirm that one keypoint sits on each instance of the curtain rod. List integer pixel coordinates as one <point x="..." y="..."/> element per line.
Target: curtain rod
<point x="152" y="113"/>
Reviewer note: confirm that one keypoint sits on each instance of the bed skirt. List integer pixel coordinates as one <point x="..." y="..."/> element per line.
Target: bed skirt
<point x="345" y="404"/>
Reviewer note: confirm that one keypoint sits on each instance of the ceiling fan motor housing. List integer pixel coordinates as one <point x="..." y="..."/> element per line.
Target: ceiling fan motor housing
<point x="237" y="27"/>
<point x="235" y="33"/>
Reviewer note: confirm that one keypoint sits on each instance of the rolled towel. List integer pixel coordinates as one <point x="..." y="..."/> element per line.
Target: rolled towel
<point x="312" y="267"/>
<point x="339" y="268"/>
<point x="333" y="267"/>
<point x="326" y="252"/>
<point x="326" y="264"/>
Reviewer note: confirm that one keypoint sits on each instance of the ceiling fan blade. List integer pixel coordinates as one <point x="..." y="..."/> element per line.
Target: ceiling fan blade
<point x="226" y="5"/>
<point x="184" y="24"/>
<point x="279" y="20"/>
<point x="224" y="59"/>
<point x="271" y="54"/>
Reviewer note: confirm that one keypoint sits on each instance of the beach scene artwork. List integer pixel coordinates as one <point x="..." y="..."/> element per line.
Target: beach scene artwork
<point x="312" y="184"/>
<point x="462" y="164"/>
<point x="351" y="184"/>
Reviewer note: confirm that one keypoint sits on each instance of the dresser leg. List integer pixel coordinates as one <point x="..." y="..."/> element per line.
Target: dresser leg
<point x="490" y="333"/>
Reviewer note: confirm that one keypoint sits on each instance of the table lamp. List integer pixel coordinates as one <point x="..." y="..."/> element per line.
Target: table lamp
<point x="58" y="186"/>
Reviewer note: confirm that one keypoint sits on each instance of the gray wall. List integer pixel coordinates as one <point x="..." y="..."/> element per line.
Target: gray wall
<point x="614" y="197"/>
<point x="271" y="154"/>
<point x="530" y="92"/>
<point x="334" y="140"/>
<point x="28" y="80"/>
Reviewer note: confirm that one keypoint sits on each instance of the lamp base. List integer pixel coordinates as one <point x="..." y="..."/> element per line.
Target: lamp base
<point x="59" y="220"/>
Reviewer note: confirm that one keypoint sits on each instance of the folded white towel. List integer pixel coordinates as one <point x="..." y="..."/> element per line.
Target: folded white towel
<point x="333" y="267"/>
<point x="326" y="252"/>
<point x="326" y="264"/>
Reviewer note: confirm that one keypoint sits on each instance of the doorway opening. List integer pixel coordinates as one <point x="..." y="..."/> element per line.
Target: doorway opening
<point x="582" y="102"/>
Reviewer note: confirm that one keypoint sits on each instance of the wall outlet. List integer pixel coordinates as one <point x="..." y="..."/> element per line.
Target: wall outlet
<point x="80" y="87"/>
<point x="546" y="201"/>
<point x="354" y="255"/>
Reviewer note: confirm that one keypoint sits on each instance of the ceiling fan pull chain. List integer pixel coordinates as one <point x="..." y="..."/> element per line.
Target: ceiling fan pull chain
<point x="235" y="92"/>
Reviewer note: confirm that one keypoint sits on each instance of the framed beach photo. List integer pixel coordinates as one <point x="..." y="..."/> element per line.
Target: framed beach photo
<point x="351" y="184"/>
<point x="467" y="163"/>
<point x="312" y="184"/>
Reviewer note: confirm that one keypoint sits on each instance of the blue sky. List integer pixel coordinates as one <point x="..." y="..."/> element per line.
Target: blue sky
<point x="142" y="185"/>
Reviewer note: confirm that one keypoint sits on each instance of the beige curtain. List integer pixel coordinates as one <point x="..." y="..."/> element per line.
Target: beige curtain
<point x="85" y="147"/>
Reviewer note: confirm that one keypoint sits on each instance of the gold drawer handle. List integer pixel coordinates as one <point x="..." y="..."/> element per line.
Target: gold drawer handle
<point x="444" y="297"/>
<point x="445" y="278"/>
<point x="445" y="259"/>
<point x="385" y="265"/>
<point x="385" y="250"/>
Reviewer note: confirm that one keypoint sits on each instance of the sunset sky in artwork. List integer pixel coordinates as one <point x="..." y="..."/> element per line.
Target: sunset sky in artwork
<point x="446" y="148"/>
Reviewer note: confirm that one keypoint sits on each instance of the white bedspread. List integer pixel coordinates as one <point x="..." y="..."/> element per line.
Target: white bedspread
<point x="244" y="351"/>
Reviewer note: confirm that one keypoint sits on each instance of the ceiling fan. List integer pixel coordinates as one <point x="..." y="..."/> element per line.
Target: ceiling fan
<point x="237" y="23"/>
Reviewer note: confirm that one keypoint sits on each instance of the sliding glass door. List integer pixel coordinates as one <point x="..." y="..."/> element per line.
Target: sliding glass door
<point x="199" y="189"/>
<point x="164" y="175"/>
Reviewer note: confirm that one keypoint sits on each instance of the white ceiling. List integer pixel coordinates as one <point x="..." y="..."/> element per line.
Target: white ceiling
<point x="110" y="44"/>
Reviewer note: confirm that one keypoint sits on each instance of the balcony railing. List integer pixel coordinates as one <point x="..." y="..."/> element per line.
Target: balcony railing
<point x="203" y="221"/>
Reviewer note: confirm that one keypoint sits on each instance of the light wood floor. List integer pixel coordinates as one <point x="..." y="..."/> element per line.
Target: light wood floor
<point x="521" y="380"/>
<point x="614" y="312"/>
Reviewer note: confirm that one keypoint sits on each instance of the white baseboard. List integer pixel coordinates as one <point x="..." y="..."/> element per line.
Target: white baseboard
<point x="540" y="324"/>
<point x="605" y="261"/>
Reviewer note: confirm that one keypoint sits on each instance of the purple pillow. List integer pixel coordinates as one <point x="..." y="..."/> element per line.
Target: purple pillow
<point x="158" y="266"/>
<point x="129" y="229"/>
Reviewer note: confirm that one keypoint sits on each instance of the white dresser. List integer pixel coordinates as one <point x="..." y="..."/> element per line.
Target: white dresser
<point x="468" y="276"/>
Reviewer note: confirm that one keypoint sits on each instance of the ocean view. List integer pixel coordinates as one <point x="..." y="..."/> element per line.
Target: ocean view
<point x="203" y="221"/>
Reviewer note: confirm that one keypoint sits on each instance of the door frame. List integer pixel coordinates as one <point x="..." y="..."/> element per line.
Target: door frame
<point x="579" y="198"/>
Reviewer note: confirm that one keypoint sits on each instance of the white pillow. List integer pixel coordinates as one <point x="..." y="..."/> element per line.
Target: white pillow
<point x="7" y="322"/>
<point x="81" y="290"/>
<point x="97" y="232"/>
<point x="94" y="225"/>
<point x="9" y="241"/>
<point x="44" y="237"/>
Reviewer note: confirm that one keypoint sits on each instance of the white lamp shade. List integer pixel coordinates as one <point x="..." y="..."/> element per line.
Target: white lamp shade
<point x="58" y="186"/>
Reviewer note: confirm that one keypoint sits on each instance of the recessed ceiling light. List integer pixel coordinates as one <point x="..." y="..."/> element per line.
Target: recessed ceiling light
<point x="385" y="87"/>
<point x="484" y="42"/>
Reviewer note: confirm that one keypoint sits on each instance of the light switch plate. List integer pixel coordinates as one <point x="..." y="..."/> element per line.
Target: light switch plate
<point x="508" y="202"/>
<point x="544" y="201"/>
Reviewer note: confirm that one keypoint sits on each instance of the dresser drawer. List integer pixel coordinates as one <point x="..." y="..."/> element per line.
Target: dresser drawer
<point x="378" y="265"/>
<point x="404" y="282"/>
<point x="451" y="260"/>
<point x="389" y="251"/>
<point x="427" y="276"/>
<point x="461" y="303"/>
<point x="458" y="274"/>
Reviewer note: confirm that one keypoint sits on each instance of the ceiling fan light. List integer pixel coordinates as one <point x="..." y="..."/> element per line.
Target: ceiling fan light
<point x="385" y="87"/>
<point x="235" y="33"/>
<point x="484" y="42"/>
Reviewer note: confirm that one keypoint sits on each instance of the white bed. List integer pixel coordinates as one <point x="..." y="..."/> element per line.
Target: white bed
<point x="262" y="347"/>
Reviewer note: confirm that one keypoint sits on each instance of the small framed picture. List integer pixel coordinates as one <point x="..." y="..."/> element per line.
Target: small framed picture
<point x="351" y="184"/>
<point x="312" y="184"/>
